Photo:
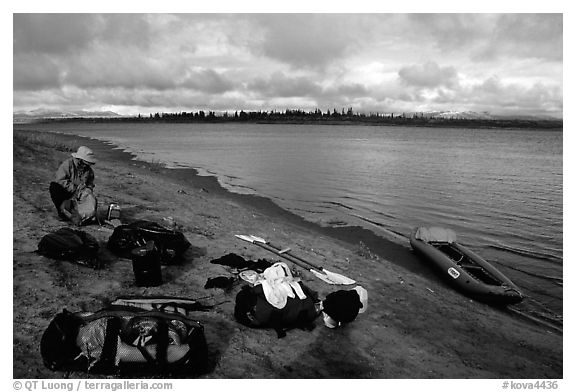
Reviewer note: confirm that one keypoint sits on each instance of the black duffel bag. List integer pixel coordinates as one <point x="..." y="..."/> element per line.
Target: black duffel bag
<point x="71" y="245"/>
<point x="125" y="340"/>
<point x="171" y="244"/>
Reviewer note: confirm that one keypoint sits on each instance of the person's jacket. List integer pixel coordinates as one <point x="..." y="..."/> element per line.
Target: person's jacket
<point x="74" y="175"/>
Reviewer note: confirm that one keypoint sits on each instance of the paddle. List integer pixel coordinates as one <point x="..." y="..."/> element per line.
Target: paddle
<point x="319" y="275"/>
<point x="327" y="276"/>
<point x="332" y="275"/>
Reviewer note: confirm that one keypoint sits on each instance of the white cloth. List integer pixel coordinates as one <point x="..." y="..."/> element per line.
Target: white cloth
<point x="330" y="322"/>
<point x="279" y="285"/>
<point x="363" y="294"/>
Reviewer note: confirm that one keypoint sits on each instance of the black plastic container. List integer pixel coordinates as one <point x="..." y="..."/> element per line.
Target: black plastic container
<point x="146" y="265"/>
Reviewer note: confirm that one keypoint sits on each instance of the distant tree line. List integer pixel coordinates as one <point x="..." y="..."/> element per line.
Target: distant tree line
<point x="273" y="115"/>
<point x="332" y="117"/>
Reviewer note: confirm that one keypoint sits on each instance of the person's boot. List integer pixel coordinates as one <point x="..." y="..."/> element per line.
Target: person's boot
<point x="76" y="218"/>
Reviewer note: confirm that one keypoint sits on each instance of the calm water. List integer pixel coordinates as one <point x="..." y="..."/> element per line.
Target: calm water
<point x="500" y="190"/>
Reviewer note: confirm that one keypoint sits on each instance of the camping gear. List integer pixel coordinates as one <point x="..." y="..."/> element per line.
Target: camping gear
<point x="146" y="265"/>
<point x="78" y="207"/>
<point x="342" y="306"/>
<point x="171" y="244"/>
<point x="464" y="270"/>
<point x="253" y="310"/>
<point x="71" y="245"/>
<point x="169" y="223"/>
<point x="232" y="260"/>
<point x="85" y="204"/>
<point x="238" y="262"/>
<point x="279" y="285"/>
<point x="183" y="306"/>
<point x="113" y="211"/>
<point x="125" y="340"/>
<point x="323" y="274"/>
<point x="363" y="294"/>
<point x="250" y="276"/>
<point x="220" y="282"/>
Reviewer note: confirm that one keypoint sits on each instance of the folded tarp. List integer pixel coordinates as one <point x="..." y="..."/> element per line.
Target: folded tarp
<point x="435" y="234"/>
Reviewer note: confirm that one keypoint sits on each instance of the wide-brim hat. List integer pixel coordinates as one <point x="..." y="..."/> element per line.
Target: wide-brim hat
<point x="85" y="154"/>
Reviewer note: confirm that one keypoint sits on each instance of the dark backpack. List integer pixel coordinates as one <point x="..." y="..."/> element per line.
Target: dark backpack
<point x="171" y="244"/>
<point x="71" y="245"/>
<point x="253" y="310"/>
<point x="125" y="340"/>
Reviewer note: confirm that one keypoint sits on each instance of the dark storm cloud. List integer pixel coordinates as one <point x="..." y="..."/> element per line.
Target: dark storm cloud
<point x="125" y="29"/>
<point x="525" y="35"/>
<point x="64" y="33"/>
<point x="36" y="72"/>
<point x="304" y="40"/>
<point x="487" y="36"/>
<point x="447" y="31"/>
<point x="116" y="69"/>
<point x="147" y="74"/>
<point x="428" y="75"/>
<point x="53" y="33"/>
<point x="280" y="85"/>
<point x="208" y="81"/>
<point x="85" y="50"/>
<point x="351" y="90"/>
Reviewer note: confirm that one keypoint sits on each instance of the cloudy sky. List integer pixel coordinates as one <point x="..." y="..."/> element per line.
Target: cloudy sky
<point x="147" y="63"/>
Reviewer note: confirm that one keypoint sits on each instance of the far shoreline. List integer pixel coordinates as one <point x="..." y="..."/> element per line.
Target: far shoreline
<point x="340" y="120"/>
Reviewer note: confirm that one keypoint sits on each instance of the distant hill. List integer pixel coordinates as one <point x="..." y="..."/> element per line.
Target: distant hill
<point x="469" y="115"/>
<point x="40" y="114"/>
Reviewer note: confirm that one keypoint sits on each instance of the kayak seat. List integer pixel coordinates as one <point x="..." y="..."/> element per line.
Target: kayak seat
<point x="470" y="266"/>
<point x="449" y="251"/>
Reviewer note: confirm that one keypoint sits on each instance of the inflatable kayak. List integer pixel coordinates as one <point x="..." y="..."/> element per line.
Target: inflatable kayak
<point x="464" y="270"/>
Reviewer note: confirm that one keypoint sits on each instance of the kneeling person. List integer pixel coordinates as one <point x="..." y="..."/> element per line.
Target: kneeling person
<point x="72" y="188"/>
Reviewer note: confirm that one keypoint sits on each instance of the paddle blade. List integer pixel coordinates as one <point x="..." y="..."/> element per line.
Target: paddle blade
<point x="258" y="239"/>
<point x="322" y="276"/>
<point x="337" y="278"/>
<point x="244" y="238"/>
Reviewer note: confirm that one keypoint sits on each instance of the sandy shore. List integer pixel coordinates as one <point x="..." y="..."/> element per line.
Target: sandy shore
<point x="416" y="326"/>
